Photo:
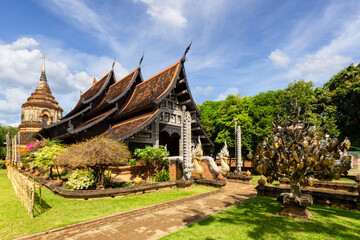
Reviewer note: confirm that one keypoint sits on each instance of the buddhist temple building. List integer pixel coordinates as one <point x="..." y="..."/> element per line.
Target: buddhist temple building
<point x="138" y="112"/>
<point x="39" y="110"/>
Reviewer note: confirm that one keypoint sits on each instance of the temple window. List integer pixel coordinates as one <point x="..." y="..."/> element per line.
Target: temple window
<point x="45" y="119"/>
<point x="163" y="103"/>
<point x="167" y="117"/>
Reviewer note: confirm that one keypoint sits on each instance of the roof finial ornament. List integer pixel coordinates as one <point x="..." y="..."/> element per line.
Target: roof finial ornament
<point x="142" y="58"/>
<point x="43" y="75"/>
<point x="186" y="50"/>
<point x="43" y="64"/>
<point x="112" y="69"/>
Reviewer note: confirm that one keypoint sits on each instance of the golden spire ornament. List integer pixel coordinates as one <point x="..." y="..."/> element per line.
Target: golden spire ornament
<point x="43" y="63"/>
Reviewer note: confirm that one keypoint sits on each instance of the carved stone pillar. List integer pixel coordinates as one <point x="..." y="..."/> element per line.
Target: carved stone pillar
<point x="238" y="148"/>
<point x="236" y="152"/>
<point x="156" y="133"/>
<point x="186" y="145"/>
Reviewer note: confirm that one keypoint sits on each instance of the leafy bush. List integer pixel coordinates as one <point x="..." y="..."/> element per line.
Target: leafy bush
<point x="46" y="155"/>
<point x="162" y="176"/>
<point x="81" y="179"/>
<point x="151" y="157"/>
<point x="2" y="164"/>
<point x="96" y="153"/>
<point x="35" y="146"/>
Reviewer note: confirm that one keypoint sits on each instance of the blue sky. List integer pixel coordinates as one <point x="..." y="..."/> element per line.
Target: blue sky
<point x="238" y="46"/>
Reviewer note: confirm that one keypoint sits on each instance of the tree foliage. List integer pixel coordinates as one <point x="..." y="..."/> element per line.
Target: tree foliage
<point x="151" y="157"/>
<point x="342" y="94"/>
<point x="333" y="109"/>
<point x="96" y="153"/>
<point x="3" y="131"/>
<point x="46" y="156"/>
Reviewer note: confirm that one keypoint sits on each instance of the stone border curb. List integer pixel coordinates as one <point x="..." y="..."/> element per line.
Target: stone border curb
<point x="77" y="227"/>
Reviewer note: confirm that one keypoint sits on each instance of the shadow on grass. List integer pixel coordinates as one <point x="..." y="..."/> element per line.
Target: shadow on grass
<point x="41" y="205"/>
<point x="259" y="220"/>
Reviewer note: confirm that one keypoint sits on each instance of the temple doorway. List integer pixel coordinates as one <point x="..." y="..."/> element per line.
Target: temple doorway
<point x="171" y="142"/>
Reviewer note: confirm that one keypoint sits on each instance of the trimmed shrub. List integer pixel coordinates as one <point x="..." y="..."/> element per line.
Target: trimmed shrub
<point x="97" y="153"/>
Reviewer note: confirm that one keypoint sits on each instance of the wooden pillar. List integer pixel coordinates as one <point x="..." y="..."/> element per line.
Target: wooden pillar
<point x="19" y="153"/>
<point x="8" y="147"/>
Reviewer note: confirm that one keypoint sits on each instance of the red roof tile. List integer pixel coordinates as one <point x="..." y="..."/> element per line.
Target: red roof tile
<point x="95" y="88"/>
<point x="147" y="92"/>
<point x="129" y="127"/>
<point x="120" y="86"/>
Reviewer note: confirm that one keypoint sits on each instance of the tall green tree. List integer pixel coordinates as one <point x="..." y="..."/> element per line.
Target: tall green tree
<point x="263" y="110"/>
<point x="343" y="95"/>
<point x="3" y="131"/>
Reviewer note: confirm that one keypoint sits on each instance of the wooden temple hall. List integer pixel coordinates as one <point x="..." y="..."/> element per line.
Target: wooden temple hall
<point x="158" y="111"/>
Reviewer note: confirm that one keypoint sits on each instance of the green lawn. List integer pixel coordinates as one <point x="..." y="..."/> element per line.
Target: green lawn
<point x="15" y="222"/>
<point x="257" y="219"/>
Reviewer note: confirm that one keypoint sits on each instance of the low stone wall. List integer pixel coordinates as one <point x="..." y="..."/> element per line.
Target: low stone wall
<point x="111" y="192"/>
<point x="127" y="173"/>
<point x="232" y="176"/>
<point x="210" y="183"/>
<point x="209" y="174"/>
<point x="325" y="197"/>
<point x="348" y="187"/>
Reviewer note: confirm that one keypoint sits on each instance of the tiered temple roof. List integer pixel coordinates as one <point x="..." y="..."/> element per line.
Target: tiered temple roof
<point x="123" y="108"/>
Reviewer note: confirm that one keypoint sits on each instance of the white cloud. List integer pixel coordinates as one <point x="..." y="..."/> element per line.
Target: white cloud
<point x="330" y="58"/>
<point x="318" y="64"/>
<point x="87" y="19"/>
<point x="24" y="43"/>
<point x="232" y="91"/>
<point x="14" y="124"/>
<point x="20" y="69"/>
<point x="166" y="12"/>
<point x="202" y="91"/>
<point x="279" y="58"/>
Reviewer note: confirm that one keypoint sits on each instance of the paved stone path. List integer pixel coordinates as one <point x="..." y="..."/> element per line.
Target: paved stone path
<point x="154" y="221"/>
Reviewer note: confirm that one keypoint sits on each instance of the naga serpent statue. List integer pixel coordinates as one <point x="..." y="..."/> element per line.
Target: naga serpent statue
<point x="224" y="160"/>
<point x="196" y="157"/>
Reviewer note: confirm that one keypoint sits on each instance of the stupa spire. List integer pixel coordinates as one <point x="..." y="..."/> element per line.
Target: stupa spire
<point x="43" y="65"/>
<point x="43" y="75"/>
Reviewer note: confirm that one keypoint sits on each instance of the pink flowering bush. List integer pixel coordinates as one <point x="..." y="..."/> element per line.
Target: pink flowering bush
<point x="35" y="146"/>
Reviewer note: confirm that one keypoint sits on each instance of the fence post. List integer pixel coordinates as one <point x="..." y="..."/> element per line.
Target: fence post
<point x="19" y="157"/>
<point x="8" y="146"/>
